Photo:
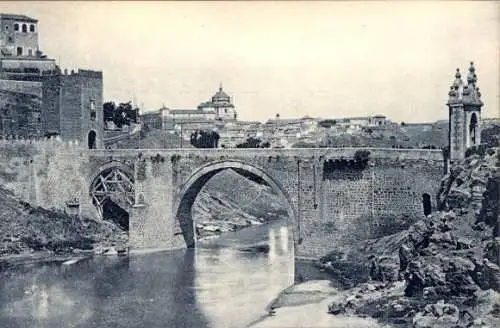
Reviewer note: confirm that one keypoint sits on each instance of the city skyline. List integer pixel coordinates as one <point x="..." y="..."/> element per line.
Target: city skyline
<point x="317" y="59"/>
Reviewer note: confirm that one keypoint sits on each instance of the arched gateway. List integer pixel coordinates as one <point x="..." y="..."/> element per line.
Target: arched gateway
<point x="112" y="192"/>
<point x="187" y="195"/>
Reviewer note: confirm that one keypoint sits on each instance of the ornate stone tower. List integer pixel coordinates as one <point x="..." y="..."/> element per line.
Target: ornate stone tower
<point x="464" y="105"/>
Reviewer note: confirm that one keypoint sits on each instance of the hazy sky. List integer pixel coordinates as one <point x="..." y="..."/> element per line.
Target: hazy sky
<point x="328" y="59"/>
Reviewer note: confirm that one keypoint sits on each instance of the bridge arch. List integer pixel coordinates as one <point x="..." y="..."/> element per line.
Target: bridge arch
<point x="111" y="191"/>
<point x="182" y="208"/>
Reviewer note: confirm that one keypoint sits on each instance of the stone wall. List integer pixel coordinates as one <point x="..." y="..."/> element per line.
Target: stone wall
<point x="10" y="64"/>
<point x="382" y="199"/>
<point x="27" y="87"/>
<point x="20" y="114"/>
<point x="51" y="109"/>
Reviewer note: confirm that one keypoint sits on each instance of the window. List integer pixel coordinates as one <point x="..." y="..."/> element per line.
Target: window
<point x="25" y="28"/>
<point x="32" y="28"/>
<point x="93" y="114"/>
<point x="16" y="27"/>
<point x="92" y="136"/>
<point x="427" y="204"/>
<point x="11" y="40"/>
<point x="6" y="27"/>
<point x="19" y="51"/>
<point x="30" y="52"/>
<point x="473" y="128"/>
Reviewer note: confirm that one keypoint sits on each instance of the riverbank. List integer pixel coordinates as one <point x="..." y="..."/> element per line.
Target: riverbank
<point x="305" y="305"/>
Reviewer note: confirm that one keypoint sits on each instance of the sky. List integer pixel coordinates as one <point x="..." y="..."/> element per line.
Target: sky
<point x="321" y="59"/>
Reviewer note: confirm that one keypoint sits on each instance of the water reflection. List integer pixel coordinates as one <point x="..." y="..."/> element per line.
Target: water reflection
<point x="216" y="287"/>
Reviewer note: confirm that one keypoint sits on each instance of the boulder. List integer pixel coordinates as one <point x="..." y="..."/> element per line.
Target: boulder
<point x="384" y="269"/>
<point x="438" y="315"/>
<point x="492" y="251"/>
<point x="458" y="198"/>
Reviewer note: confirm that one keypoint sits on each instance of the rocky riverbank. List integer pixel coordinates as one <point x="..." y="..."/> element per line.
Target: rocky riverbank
<point x="443" y="271"/>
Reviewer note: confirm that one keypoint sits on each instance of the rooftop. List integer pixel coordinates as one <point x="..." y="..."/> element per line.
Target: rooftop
<point x="18" y="17"/>
<point x="189" y="111"/>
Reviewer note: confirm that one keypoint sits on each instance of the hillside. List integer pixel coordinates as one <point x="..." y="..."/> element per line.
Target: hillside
<point x="26" y="229"/>
<point x="151" y="139"/>
<point x="404" y="136"/>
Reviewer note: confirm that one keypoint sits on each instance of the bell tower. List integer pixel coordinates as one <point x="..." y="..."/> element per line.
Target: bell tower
<point x="464" y="105"/>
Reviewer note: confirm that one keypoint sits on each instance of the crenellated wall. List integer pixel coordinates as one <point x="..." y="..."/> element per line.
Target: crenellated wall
<point x="327" y="207"/>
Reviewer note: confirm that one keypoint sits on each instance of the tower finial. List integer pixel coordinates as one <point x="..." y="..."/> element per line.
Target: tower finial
<point x="220" y="86"/>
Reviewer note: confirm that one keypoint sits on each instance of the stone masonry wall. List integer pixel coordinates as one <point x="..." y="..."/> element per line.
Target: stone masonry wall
<point x="384" y="198"/>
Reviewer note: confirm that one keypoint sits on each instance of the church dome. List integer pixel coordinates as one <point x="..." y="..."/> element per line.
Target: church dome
<point x="220" y="96"/>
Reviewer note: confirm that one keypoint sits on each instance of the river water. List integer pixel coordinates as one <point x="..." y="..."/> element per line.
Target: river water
<point x="215" y="285"/>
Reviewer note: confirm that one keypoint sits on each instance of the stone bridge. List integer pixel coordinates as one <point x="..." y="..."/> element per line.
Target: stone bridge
<point x="333" y="196"/>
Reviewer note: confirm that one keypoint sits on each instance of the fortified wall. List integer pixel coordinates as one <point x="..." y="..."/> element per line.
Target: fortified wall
<point x="333" y="199"/>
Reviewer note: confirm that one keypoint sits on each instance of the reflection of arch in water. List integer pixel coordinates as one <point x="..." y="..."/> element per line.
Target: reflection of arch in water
<point x="111" y="192"/>
<point x="183" y="205"/>
<point x="427" y="204"/>
<point x="473" y="125"/>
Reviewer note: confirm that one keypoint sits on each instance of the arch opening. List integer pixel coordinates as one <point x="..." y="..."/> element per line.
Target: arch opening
<point x="112" y="192"/>
<point x="183" y="208"/>
<point x="427" y="204"/>
<point x="473" y="129"/>
<point x="91" y="139"/>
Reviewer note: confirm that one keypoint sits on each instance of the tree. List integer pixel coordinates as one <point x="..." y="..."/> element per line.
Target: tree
<point x="204" y="139"/>
<point x="109" y="110"/>
<point x="252" y="142"/>
<point x="123" y="114"/>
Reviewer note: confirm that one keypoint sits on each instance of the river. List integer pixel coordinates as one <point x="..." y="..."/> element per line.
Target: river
<point x="214" y="285"/>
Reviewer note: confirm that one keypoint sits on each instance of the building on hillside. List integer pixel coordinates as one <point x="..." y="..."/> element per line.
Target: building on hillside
<point x="237" y="132"/>
<point x="364" y="121"/>
<point x="464" y="104"/>
<point x="219" y="108"/>
<point x="294" y="128"/>
<point x="221" y="104"/>
<point x="36" y="98"/>
<point x="152" y="120"/>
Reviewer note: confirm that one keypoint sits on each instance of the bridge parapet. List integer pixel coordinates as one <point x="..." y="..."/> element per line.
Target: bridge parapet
<point x="302" y="153"/>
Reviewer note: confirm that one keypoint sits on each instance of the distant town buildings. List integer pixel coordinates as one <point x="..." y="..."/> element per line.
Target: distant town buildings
<point x="38" y="99"/>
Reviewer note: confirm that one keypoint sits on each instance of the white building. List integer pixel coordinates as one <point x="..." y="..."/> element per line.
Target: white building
<point x="219" y="108"/>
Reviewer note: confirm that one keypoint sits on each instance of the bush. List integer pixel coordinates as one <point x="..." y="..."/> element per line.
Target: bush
<point x="205" y="139"/>
<point x="359" y="163"/>
<point x="254" y="143"/>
